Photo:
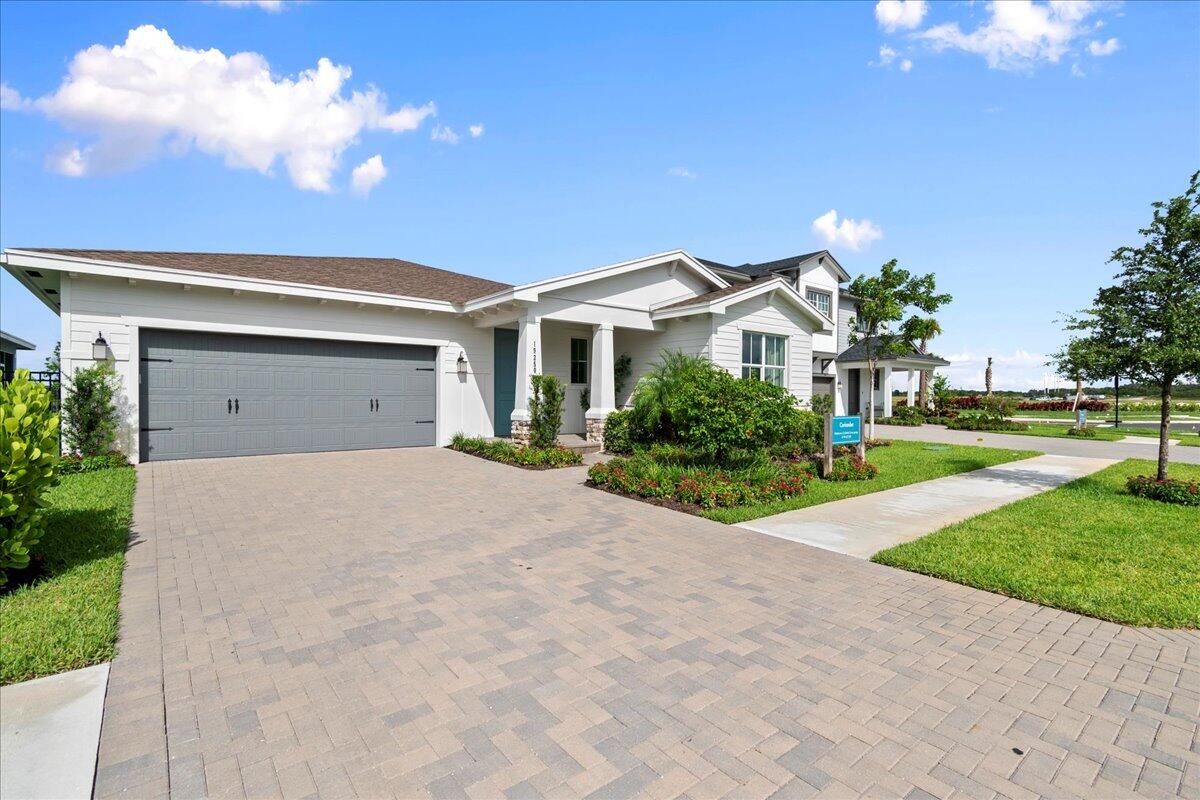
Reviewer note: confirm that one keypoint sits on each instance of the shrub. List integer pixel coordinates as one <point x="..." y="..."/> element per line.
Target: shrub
<point x="508" y="453"/>
<point x="654" y="475"/>
<point x="1061" y="405"/>
<point x="89" y="411"/>
<point x="908" y="420"/>
<point x="28" y="446"/>
<point x="653" y="392"/>
<point x="910" y="415"/>
<point x="618" y="435"/>
<point x="545" y="410"/>
<point x="1086" y="432"/>
<point x="984" y="422"/>
<point x="1172" y="490"/>
<point x="852" y="468"/>
<point x="822" y="404"/>
<point x="69" y="465"/>
<point x="718" y="413"/>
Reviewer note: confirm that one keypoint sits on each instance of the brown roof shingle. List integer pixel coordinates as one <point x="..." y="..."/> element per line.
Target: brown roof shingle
<point x="382" y="275"/>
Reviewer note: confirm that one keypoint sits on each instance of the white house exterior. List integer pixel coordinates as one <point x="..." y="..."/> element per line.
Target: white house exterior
<point x="229" y="354"/>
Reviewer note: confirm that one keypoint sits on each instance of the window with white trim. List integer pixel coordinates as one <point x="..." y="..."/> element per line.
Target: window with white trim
<point x="764" y="357"/>
<point x="822" y="301"/>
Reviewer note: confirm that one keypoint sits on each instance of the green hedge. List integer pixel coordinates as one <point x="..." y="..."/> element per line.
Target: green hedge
<point x="508" y="453"/>
<point x="28" y="456"/>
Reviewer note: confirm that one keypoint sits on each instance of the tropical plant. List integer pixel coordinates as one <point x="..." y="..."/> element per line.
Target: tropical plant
<point x="918" y="331"/>
<point x="653" y="392"/>
<point x="1148" y="323"/>
<point x="622" y="369"/>
<point x="90" y="415"/>
<point x="883" y="301"/>
<point x="717" y="413"/>
<point x="28" y="445"/>
<point x="545" y="410"/>
<point x="1081" y="359"/>
<point x="987" y="377"/>
<point x="943" y="395"/>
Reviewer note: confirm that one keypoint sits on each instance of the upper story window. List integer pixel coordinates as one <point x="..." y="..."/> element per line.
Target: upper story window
<point x="822" y="300"/>
<point x="579" y="362"/>
<point x="764" y="357"/>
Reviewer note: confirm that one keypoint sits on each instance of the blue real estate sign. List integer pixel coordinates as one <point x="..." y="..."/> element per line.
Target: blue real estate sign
<point x="846" y="430"/>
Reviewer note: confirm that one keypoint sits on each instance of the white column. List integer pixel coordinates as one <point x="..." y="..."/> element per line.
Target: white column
<point x="529" y="356"/>
<point x="912" y="388"/>
<point x="885" y="386"/>
<point x="603" y="388"/>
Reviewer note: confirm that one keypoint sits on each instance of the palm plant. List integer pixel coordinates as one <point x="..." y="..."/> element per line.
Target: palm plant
<point x="919" y="330"/>
<point x="652" y="394"/>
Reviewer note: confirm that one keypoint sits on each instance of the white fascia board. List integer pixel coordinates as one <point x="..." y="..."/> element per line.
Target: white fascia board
<point x="721" y="304"/>
<point x="53" y="303"/>
<point x="17" y="342"/>
<point x="531" y="292"/>
<point x="87" y="266"/>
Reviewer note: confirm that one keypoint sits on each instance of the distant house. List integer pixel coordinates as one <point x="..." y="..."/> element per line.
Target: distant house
<point x="236" y="354"/>
<point x="9" y="345"/>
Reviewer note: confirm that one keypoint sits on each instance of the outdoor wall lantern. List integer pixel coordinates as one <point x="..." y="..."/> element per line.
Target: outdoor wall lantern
<point x="462" y="363"/>
<point x="100" y="348"/>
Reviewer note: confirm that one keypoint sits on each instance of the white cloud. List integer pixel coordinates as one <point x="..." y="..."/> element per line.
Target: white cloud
<point x="1077" y="71"/>
<point x="894" y="14"/>
<point x="11" y="100"/>
<point x="681" y="172"/>
<point x="442" y="133"/>
<point x="67" y="159"/>
<point x="476" y="130"/>
<point x="270" y="6"/>
<point x="905" y="65"/>
<point x="151" y="96"/>
<point x="849" y="233"/>
<point x="1016" y="371"/>
<point x="1105" y="48"/>
<point x="886" y="55"/>
<point x="367" y="174"/>
<point x="1018" y="33"/>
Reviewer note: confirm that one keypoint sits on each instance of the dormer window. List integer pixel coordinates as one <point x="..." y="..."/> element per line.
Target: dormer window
<point x="823" y="301"/>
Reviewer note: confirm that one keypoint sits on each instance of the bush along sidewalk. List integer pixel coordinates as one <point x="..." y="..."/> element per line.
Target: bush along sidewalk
<point x="28" y="445"/>
<point x="508" y="453"/>
<point x="1171" y="490"/>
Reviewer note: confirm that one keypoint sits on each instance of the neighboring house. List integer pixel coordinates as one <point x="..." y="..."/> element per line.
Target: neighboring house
<point x="233" y="354"/>
<point x="9" y="345"/>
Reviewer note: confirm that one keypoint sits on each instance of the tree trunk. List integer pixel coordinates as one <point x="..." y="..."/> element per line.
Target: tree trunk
<point x="924" y="396"/>
<point x="1164" y="439"/>
<point x="1078" y="392"/>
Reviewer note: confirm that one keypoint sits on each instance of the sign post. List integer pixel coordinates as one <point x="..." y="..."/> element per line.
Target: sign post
<point x="1081" y="418"/>
<point x="841" y="431"/>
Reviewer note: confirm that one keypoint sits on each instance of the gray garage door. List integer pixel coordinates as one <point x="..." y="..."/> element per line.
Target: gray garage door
<point x="207" y="395"/>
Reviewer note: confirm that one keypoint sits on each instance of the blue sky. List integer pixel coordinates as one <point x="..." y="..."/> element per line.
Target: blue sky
<point x="1009" y="149"/>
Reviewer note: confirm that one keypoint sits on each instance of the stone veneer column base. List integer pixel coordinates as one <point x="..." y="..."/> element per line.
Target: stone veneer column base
<point x="520" y="432"/>
<point x="595" y="430"/>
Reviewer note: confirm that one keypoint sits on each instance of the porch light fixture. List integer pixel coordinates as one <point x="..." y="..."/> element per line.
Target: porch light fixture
<point x="100" y="348"/>
<point x="462" y="363"/>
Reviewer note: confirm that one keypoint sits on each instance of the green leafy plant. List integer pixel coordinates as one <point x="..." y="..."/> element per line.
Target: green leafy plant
<point x="984" y="422"/>
<point x="70" y="465"/>
<point x="652" y="394"/>
<point x="684" y="476"/>
<point x="852" y="468"/>
<point x="508" y="453"/>
<point x="28" y="453"/>
<point x="717" y="413"/>
<point x="90" y="414"/>
<point x="545" y="410"/>
<point x="622" y="368"/>
<point x="1170" y="490"/>
<point x="1086" y="432"/>
<point x="822" y="404"/>
<point x="618" y="434"/>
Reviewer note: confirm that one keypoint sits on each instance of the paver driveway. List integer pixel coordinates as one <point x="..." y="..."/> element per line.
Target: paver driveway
<point x="419" y="622"/>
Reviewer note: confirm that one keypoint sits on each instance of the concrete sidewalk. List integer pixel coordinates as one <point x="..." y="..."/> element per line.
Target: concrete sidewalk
<point x="49" y="732"/>
<point x="862" y="526"/>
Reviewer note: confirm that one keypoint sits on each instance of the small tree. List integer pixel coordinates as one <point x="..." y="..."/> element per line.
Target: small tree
<point x="883" y="301"/>
<point x="28" y="445"/>
<point x="89" y="410"/>
<point x="545" y="410"/>
<point x="53" y="362"/>
<point x="1081" y="359"/>
<point x="918" y="331"/>
<point x="1149" y="322"/>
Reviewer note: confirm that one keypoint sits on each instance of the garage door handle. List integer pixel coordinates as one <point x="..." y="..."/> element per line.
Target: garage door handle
<point x="423" y="421"/>
<point x="229" y="406"/>
<point x="237" y="406"/>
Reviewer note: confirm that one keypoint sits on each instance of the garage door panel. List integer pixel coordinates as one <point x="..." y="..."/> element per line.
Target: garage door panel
<point x="294" y="395"/>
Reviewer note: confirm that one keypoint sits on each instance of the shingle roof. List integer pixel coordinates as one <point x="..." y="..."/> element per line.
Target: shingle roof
<point x="717" y="294"/>
<point x="767" y="267"/>
<point x="382" y="275"/>
<point x="858" y="352"/>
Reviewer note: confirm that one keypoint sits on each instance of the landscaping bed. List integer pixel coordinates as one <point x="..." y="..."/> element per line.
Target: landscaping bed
<point x="67" y="617"/>
<point x="508" y="453"/>
<point x="1090" y="547"/>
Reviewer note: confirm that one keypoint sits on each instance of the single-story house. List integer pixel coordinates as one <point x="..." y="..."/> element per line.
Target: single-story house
<point x="237" y="354"/>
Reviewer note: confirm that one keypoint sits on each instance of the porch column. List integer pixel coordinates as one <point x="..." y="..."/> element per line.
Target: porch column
<point x="885" y="386"/>
<point x="603" y="388"/>
<point x="912" y="389"/>
<point x="529" y="354"/>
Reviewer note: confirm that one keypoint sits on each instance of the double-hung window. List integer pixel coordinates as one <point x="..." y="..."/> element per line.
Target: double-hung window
<point x="823" y="301"/>
<point x="579" y="362"/>
<point x="764" y="357"/>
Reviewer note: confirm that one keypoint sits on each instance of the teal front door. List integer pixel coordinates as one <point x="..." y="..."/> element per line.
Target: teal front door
<point x="505" y="376"/>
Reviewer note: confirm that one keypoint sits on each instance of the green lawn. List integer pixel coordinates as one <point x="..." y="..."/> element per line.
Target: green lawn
<point x="899" y="465"/>
<point x="1060" y="432"/>
<point x="68" y="619"/>
<point x="1088" y="547"/>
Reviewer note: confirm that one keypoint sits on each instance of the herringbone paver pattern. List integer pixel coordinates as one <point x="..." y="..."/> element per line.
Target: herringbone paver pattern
<point x="419" y="623"/>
